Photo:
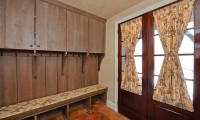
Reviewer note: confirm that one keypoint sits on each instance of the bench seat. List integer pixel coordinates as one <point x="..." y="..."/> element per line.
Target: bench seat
<point x="37" y="106"/>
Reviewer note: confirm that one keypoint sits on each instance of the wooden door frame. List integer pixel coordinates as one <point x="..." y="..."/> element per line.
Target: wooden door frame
<point x="149" y="54"/>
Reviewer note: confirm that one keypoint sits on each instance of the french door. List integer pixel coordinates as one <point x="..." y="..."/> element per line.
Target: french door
<point x="149" y="57"/>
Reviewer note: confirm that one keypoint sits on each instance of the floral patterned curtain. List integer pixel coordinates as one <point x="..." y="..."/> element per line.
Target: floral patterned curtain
<point x="130" y="33"/>
<point x="172" y="22"/>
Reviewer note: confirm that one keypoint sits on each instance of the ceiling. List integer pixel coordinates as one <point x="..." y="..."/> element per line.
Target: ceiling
<point x="102" y="8"/>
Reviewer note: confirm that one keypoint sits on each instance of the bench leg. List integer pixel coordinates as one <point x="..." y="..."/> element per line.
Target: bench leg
<point x="103" y="97"/>
<point x="88" y="104"/>
<point x="35" y="117"/>
<point x="66" y="111"/>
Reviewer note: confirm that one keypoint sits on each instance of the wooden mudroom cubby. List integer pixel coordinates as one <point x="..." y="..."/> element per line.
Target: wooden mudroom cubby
<point x="47" y="48"/>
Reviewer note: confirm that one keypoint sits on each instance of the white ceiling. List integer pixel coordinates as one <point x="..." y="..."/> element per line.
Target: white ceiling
<point x="102" y="8"/>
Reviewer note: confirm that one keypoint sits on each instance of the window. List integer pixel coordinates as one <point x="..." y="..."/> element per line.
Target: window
<point x="137" y="56"/>
<point x="186" y="56"/>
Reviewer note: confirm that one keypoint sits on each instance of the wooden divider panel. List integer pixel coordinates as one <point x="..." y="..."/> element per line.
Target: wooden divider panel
<point x="39" y="83"/>
<point x="80" y="73"/>
<point x="62" y="74"/>
<point x="24" y="77"/>
<point x="51" y="75"/>
<point x="8" y="81"/>
<point x="71" y="73"/>
<point x="91" y="70"/>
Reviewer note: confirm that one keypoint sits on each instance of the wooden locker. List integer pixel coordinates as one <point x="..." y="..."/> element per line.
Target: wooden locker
<point x="51" y="33"/>
<point x="96" y="36"/>
<point x="20" y="24"/>
<point x="77" y="32"/>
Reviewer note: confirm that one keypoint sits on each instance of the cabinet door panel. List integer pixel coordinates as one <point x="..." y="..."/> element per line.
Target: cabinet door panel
<point x="39" y="84"/>
<point x="62" y="77"/>
<point x="50" y="27"/>
<point x="77" y="32"/>
<point x="96" y="36"/>
<point x="20" y="24"/>
<point x="24" y="78"/>
<point x="51" y="75"/>
<point x="8" y="81"/>
<point x="2" y="23"/>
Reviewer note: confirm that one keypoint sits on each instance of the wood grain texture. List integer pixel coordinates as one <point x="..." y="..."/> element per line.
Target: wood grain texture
<point x="71" y="73"/>
<point x="19" y="24"/>
<point x="50" y="27"/>
<point x="91" y="70"/>
<point x="96" y="36"/>
<point x="2" y="22"/>
<point x="71" y="8"/>
<point x="24" y="77"/>
<point x="197" y="60"/>
<point x="80" y="74"/>
<point x="8" y="81"/>
<point x="62" y="78"/>
<point x="77" y="32"/>
<point x="39" y="84"/>
<point x="51" y="75"/>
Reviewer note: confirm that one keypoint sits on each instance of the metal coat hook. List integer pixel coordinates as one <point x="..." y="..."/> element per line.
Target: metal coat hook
<point x="66" y="54"/>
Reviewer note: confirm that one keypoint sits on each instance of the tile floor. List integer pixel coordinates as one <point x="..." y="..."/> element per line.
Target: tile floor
<point x="99" y="112"/>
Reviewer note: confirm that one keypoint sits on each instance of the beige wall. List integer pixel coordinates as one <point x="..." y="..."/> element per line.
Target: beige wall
<point x="108" y="72"/>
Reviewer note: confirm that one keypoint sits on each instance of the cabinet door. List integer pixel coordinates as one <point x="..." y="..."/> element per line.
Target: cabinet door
<point x="51" y="26"/>
<point x="96" y="36"/>
<point x="2" y="23"/>
<point x="77" y="32"/>
<point x="20" y="24"/>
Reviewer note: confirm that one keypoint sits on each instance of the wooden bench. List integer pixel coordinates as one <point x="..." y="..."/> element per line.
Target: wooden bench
<point x="37" y="106"/>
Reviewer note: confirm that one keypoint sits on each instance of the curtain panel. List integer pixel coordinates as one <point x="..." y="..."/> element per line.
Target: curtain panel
<point x="172" y="22"/>
<point x="130" y="32"/>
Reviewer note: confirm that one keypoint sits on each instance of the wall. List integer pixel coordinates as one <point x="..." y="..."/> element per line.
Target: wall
<point x="109" y="68"/>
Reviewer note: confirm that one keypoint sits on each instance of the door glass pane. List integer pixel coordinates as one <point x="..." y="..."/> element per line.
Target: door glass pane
<point x="138" y="48"/>
<point x="187" y="45"/>
<point x="158" y="64"/>
<point x="190" y="85"/>
<point x="140" y="76"/>
<point x="187" y="63"/>
<point x="158" y="48"/>
<point x="123" y="62"/>
<point x="155" y="81"/>
<point x="123" y="49"/>
<point x="138" y="63"/>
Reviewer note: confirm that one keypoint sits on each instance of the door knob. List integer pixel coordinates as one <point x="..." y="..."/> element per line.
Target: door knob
<point x="38" y="46"/>
<point x="31" y="45"/>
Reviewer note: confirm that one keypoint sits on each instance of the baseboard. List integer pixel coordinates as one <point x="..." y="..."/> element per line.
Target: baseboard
<point x="112" y="105"/>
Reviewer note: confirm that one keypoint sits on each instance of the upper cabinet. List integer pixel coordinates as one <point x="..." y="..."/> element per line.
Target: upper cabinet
<point x="77" y="32"/>
<point x="17" y="24"/>
<point x="96" y="36"/>
<point x="51" y="27"/>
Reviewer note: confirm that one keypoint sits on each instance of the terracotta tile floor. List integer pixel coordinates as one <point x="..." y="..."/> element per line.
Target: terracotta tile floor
<point x="99" y="112"/>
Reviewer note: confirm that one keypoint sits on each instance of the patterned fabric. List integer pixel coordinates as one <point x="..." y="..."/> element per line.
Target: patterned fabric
<point x="130" y="32"/>
<point x="172" y="22"/>
<point x="20" y="108"/>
